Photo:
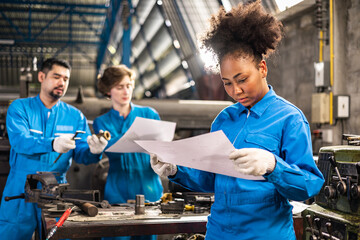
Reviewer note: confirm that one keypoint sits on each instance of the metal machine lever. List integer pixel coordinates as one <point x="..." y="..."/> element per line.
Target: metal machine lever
<point x="309" y="220"/>
<point x="333" y="163"/>
<point x="318" y="226"/>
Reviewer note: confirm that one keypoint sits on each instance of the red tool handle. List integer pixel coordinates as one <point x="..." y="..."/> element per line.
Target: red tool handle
<point x="63" y="217"/>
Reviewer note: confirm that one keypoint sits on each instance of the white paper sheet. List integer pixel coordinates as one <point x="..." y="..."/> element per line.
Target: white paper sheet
<point x="208" y="152"/>
<point x="144" y="129"/>
<point x="298" y="207"/>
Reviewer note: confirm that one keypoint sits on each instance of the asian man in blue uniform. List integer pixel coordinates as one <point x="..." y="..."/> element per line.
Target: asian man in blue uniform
<point x="39" y="129"/>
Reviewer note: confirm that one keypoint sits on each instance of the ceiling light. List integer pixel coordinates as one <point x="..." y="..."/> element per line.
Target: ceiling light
<point x="7" y="41"/>
<point x="176" y="44"/>
<point x="167" y="23"/>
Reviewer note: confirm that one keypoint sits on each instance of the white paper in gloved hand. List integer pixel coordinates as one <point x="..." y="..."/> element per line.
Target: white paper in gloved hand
<point x="253" y="161"/>
<point x="96" y="144"/>
<point x="161" y="168"/>
<point x="63" y="144"/>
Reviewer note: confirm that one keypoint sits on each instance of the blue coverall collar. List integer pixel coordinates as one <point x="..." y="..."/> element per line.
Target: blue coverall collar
<point x="259" y="108"/>
<point x="117" y="114"/>
<point x="43" y="106"/>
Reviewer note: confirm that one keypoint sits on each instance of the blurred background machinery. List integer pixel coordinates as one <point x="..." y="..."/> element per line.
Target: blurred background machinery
<point x="336" y="214"/>
<point x="4" y="147"/>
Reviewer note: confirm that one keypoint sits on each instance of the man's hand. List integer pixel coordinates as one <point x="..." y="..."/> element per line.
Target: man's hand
<point x="160" y="168"/>
<point x="96" y="144"/>
<point x="253" y="161"/>
<point x="63" y="144"/>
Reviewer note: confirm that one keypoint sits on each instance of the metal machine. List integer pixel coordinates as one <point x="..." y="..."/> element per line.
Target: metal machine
<point x="341" y="168"/>
<point x="321" y="223"/>
<point x="336" y="214"/>
<point x="43" y="188"/>
<point x="188" y="114"/>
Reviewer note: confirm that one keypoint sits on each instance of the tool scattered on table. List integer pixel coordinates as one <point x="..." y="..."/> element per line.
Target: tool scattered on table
<point x="60" y="222"/>
<point x="177" y="203"/>
<point x="140" y="204"/>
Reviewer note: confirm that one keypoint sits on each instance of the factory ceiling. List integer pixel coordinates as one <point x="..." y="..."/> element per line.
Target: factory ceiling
<point x="157" y="38"/>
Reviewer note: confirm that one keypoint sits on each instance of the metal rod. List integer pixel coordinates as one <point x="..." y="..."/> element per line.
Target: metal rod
<point x="73" y="138"/>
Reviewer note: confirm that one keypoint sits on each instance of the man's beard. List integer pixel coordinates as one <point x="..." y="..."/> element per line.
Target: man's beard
<point x="56" y="96"/>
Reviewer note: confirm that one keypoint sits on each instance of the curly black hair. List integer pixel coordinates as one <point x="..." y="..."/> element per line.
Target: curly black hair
<point x="246" y="30"/>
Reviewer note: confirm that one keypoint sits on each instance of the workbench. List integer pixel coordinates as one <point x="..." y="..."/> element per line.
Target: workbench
<point x="122" y="221"/>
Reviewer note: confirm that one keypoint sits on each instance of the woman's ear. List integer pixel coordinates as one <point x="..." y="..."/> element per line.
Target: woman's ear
<point x="263" y="68"/>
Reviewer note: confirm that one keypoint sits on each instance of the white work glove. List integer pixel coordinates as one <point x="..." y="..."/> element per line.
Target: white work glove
<point x="160" y="168"/>
<point x="63" y="144"/>
<point x="253" y="161"/>
<point x="96" y="144"/>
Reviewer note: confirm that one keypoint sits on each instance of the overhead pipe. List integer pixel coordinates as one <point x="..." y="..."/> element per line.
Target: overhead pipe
<point x="331" y="25"/>
<point x="126" y="38"/>
<point x="150" y="54"/>
<point x="322" y="39"/>
<point x="319" y="25"/>
<point x="172" y="34"/>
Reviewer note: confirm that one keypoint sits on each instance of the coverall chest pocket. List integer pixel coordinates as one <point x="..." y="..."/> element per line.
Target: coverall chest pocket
<point x="264" y="141"/>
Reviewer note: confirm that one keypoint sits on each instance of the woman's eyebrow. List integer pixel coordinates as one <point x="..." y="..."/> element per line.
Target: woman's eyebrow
<point x="235" y="76"/>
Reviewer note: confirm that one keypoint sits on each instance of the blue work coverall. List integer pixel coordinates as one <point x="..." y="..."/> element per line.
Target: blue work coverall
<point x="31" y="129"/>
<point x="129" y="173"/>
<point x="246" y="209"/>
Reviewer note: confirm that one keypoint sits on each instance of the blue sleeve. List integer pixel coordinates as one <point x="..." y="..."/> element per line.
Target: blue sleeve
<point x="157" y="117"/>
<point x="21" y="140"/>
<point x="195" y="180"/>
<point x="296" y="176"/>
<point x="153" y="114"/>
<point x="82" y="152"/>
